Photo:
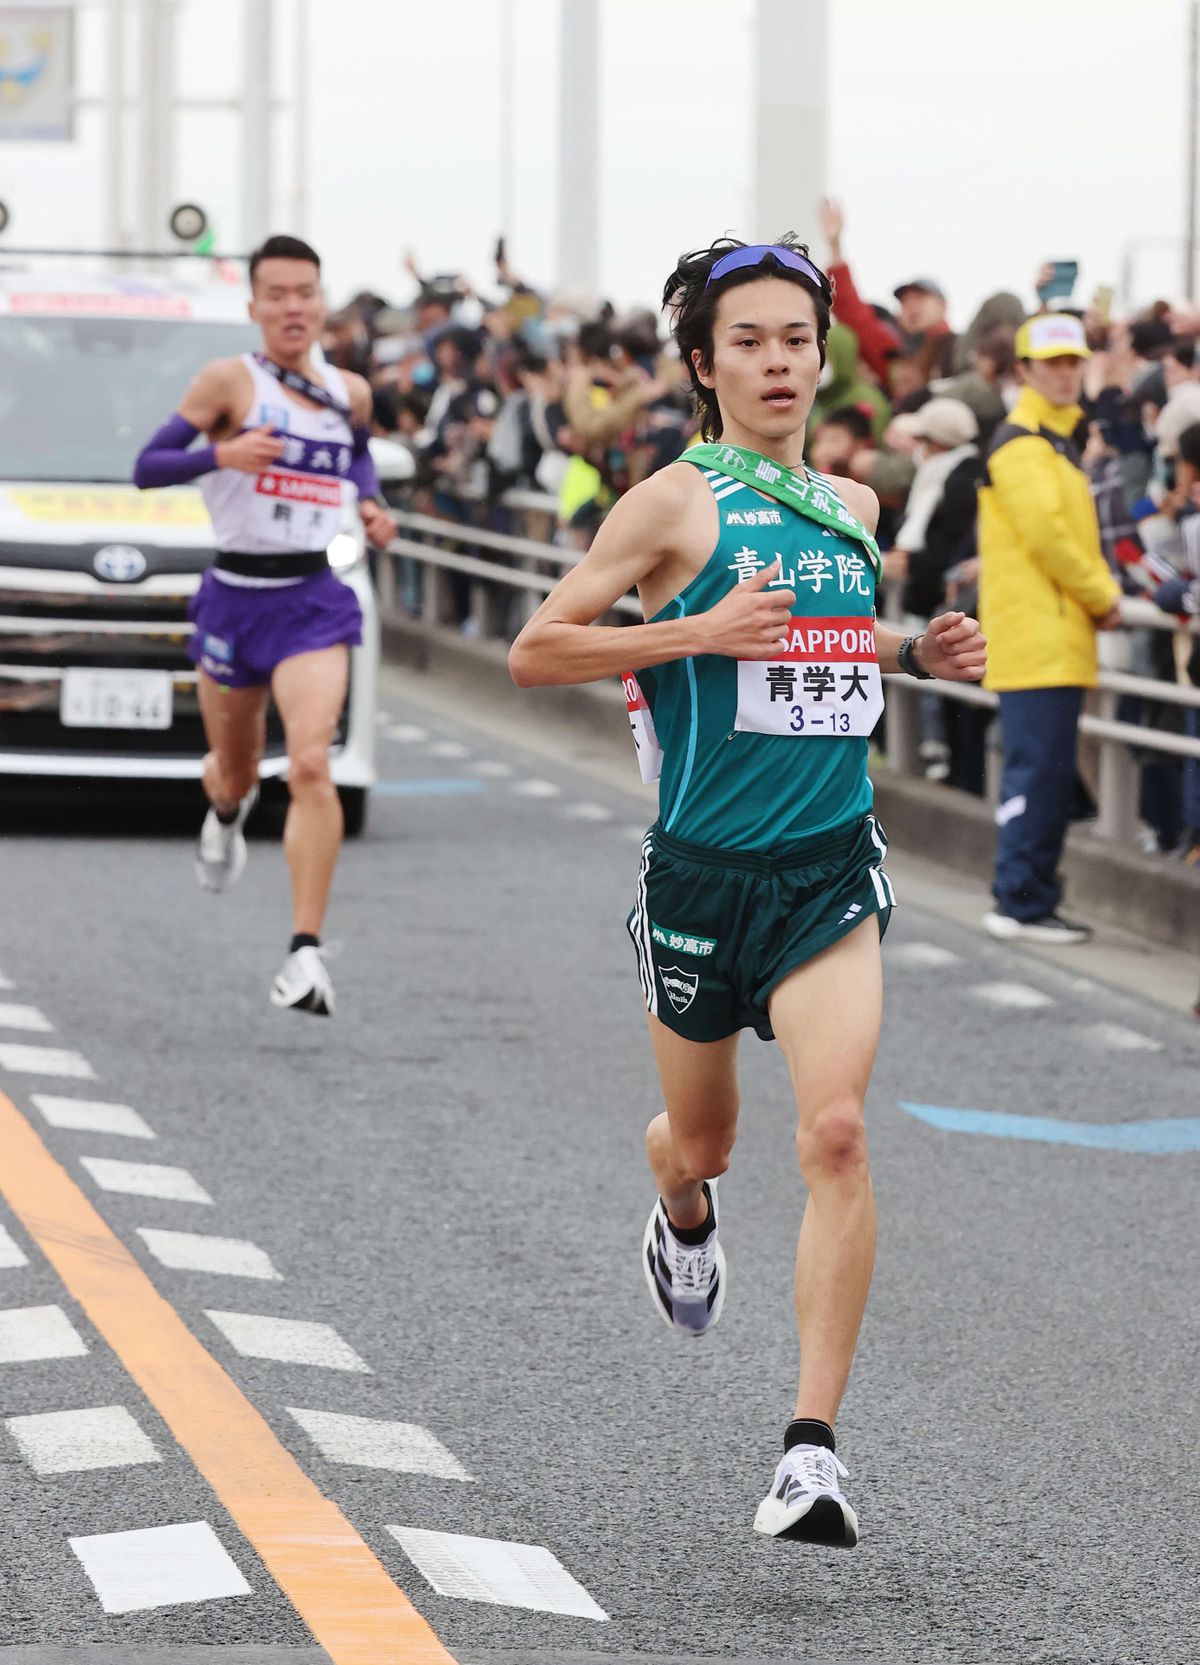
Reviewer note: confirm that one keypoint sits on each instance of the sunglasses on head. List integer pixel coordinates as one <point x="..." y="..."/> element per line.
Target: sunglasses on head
<point x="737" y="259"/>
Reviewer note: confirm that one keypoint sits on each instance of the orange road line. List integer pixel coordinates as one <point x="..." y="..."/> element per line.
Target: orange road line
<point x="329" y="1574"/>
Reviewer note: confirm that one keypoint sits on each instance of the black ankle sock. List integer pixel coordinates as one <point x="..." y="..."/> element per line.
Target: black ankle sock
<point x="227" y="817"/>
<point x="692" y="1235"/>
<point x="806" y="1430"/>
<point x="304" y="939"/>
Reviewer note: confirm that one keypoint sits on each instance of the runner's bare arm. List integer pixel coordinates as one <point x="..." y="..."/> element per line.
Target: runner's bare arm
<point x="362" y="405"/>
<point x="562" y="644"/>
<point x="951" y="646"/>
<point x="211" y="402"/>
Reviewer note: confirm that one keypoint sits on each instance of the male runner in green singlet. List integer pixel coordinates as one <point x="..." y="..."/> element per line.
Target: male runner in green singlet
<point x="762" y="897"/>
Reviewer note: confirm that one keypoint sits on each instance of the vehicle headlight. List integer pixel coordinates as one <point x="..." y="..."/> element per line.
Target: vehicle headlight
<point x="345" y="551"/>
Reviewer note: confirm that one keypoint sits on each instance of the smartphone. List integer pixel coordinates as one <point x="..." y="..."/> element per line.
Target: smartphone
<point x="1061" y="281"/>
<point x="499" y="256"/>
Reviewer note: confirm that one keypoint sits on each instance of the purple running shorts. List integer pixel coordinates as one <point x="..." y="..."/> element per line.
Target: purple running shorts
<point x="241" y="634"/>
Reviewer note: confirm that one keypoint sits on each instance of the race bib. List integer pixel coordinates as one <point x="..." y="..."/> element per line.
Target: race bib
<point x="649" y="752"/>
<point x="825" y="683"/>
<point x="303" y="511"/>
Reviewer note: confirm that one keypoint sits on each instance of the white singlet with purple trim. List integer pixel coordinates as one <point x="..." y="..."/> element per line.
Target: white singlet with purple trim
<point x="296" y="504"/>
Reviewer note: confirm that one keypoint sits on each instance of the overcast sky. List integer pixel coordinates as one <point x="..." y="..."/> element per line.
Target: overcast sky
<point x="969" y="139"/>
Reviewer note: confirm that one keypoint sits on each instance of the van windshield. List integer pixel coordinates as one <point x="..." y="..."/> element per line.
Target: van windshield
<point x="79" y="397"/>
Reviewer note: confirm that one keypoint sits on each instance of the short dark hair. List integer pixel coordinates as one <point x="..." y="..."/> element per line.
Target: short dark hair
<point x="1183" y="351"/>
<point x="851" y="417"/>
<point x="693" y="306"/>
<point x="282" y="248"/>
<point x="1188" y="445"/>
<point x="595" y="340"/>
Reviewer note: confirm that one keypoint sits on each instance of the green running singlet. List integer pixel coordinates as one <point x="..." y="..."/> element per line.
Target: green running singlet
<point x="731" y="789"/>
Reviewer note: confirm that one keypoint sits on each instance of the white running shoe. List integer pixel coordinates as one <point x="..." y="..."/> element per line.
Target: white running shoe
<point x="221" y="851"/>
<point x="304" y="983"/>
<point x="806" y="1500"/>
<point x="1053" y="929"/>
<point x="686" y="1280"/>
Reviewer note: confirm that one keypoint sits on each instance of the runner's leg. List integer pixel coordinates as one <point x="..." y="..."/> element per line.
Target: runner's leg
<point x="235" y="726"/>
<point x="310" y="690"/>
<point x="691" y="1140"/>
<point x="826" y="1016"/>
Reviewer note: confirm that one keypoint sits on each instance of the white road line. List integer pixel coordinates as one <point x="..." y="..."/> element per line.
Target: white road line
<point x="145" y="1179"/>
<point x="448" y="748"/>
<point x="587" y="812"/>
<point x="919" y="956"/>
<point x="44" y="1060"/>
<point x="5" y="984"/>
<point x="38" y="1333"/>
<point x="537" y="789"/>
<point x="368" y="1442"/>
<point x="1016" y="996"/>
<point x="66" y="1442"/>
<point x="487" y="1569"/>
<point x="161" y="1566"/>
<point x="87" y="1115"/>
<point x="492" y="767"/>
<point x="288" y="1340"/>
<point x="189" y="1251"/>
<point x="24" y="1017"/>
<point x="11" y="1253"/>
<point x="409" y="733"/>
<point x="1120" y="1039"/>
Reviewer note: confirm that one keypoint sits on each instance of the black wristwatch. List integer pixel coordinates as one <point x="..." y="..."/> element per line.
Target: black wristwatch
<point x="906" y="658"/>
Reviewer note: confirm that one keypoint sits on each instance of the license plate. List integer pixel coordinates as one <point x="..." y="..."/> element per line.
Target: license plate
<point x="116" y="699"/>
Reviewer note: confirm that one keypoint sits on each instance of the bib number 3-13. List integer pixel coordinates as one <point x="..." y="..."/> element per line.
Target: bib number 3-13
<point x="641" y="723"/>
<point x="824" y="684"/>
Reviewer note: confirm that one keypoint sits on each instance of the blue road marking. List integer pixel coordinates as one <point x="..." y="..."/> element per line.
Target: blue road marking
<point x="1159" y="1138"/>
<point x="428" y="788"/>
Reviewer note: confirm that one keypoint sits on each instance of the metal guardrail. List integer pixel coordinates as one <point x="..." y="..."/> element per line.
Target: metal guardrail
<point x="485" y="583"/>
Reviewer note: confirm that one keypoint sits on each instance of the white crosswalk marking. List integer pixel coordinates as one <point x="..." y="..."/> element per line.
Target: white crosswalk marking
<point x="448" y="748"/>
<point x="38" y="1333"/>
<point x="4" y="982"/>
<point x="11" y="1253"/>
<point x="587" y="812"/>
<point x="1016" y="996"/>
<point x="919" y="956"/>
<point x="145" y="1179"/>
<point x="160" y="1566"/>
<point x="67" y="1442"/>
<point x="44" y="1060"/>
<point x="24" y="1017"/>
<point x="369" y="1442"/>
<point x="537" y="789"/>
<point x="493" y="768"/>
<point x="189" y="1251"/>
<point x="488" y="1569"/>
<point x="1120" y="1039"/>
<point x="287" y="1340"/>
<point x="90" y="1116"/>
<point x="407" y="733"/>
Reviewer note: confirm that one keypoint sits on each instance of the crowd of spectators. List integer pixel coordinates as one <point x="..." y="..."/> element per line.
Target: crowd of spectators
<point x="563" y="395"/>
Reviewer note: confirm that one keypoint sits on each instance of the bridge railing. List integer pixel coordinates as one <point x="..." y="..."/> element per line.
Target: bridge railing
<point x="485" y="582"/>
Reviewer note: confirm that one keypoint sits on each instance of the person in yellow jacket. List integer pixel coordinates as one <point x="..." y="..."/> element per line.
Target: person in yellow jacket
<point x="1044" y="591"/>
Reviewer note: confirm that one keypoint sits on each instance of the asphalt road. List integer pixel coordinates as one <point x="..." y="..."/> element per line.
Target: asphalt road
<point x="450" y="1175"/>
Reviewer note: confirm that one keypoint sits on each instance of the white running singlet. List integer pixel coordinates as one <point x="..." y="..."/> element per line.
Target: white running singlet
<point x="296" y="504"/>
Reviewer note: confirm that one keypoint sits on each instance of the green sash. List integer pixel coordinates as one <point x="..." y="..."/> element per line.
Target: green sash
<point x="807" y="497"/>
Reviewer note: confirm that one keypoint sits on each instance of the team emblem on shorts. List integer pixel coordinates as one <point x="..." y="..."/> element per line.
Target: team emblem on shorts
<point x="680" y="985"/>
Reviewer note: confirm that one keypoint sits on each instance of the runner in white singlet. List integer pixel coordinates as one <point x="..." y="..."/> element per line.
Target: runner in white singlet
<point x="287" y="439"/>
